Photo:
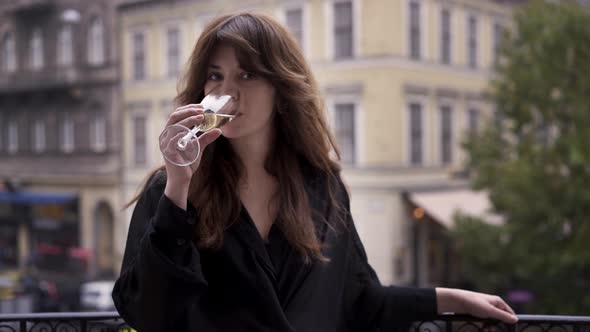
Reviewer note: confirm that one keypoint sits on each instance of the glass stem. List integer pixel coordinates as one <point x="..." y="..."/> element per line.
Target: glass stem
<point x="183" y="142"/>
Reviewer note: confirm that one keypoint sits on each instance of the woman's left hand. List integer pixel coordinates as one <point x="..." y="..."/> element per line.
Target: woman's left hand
<point x="475" y="304"/>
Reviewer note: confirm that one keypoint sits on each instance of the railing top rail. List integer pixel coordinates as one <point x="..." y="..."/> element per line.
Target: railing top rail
<point x="61" y="315"/>
<point x="550" y="318"/>
<point x="108" y="315"/>
<point x="522" y="318"/>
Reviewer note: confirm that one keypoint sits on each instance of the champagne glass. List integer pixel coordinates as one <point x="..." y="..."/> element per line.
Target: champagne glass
<point x="180" y="145"/>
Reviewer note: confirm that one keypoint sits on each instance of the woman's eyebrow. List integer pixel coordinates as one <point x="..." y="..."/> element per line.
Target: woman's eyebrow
<point x="218" y="67"/>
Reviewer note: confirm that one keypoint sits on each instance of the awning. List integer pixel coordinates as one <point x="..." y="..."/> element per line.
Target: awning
<point x="443" y="205"/>
<point x="36" y="198"/>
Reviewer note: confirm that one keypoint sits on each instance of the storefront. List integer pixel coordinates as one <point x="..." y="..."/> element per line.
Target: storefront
<point x="38" y="229"/>
<point x="432" y="215"/>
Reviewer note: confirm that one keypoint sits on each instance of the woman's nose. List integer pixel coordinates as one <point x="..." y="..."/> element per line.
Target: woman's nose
<point x="231" y="88"/>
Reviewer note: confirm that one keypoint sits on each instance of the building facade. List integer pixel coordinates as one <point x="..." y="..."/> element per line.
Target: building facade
<point x="403" y="82"/>
<point x="59" y="134"/>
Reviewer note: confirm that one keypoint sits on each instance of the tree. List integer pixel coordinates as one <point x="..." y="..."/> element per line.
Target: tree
<point x="535" y="162"/>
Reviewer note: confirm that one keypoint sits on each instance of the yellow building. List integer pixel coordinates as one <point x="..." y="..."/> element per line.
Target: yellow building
<point x="403" y="80"/>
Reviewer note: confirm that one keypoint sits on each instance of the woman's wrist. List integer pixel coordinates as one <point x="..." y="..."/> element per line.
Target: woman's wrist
<point x="449" y="300"/>
<point x="177" y="192"/>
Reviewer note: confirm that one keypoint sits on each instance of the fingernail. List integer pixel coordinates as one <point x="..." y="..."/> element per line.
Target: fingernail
<point x="200" y="117"/>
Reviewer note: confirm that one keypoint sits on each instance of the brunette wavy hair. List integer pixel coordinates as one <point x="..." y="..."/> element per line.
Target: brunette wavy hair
<point x="265" y="48"/>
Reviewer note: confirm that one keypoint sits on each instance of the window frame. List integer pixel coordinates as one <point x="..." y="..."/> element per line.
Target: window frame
<point x="449" y="47"/>
<point x="39" y="136"/>
<point x="356" y="26"/>
<point x="96" y="49"/>
<point x="36" y="51"/>
<point x="133" y="73"/>
<point x="64" y="48"/>
<point x="166" y="69"/>
<point x="356" y="100"/>
<point x="9" y="59"/>
<point x="472" y="39"/>
<point x="12" y="143"/>
<point x="67" y="133"/>
<point x="98" y="132"/>
<point x="422" y="100"/>
<point x="440" y="132"/>
<point x="305" y="23"/>
<point x="134" y="115"/>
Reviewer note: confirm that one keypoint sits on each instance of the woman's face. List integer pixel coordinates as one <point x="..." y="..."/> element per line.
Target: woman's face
<point x="254" y="96"/>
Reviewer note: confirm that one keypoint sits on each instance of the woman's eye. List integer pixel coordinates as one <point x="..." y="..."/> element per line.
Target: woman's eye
<point x="248" y="76"/>
<point x="214" y="77"/>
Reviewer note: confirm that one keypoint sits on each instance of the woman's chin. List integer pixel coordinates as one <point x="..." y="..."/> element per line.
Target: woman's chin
<point x="229" y="133"/>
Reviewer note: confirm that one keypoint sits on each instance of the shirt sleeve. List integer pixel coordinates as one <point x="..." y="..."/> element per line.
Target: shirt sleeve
<point x="371" y="305"/>
<point x="161" y="274"/>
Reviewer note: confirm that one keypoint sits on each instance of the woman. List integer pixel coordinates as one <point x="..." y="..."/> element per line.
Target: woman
<point x="257" y="235"/>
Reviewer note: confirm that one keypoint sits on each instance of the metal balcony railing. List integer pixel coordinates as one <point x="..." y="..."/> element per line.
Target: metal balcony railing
<point x="64" y="322"/>
<point x="112" y="322"/>
<point x="526" y="323"/>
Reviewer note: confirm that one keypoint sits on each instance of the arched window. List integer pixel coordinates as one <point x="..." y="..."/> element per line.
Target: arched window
<point x="36" y="59"/>
<point x="8" y="53"/>
<point x="96" y="42"/>
<point x="65" y="54"/>
<point x="98" y="129"/>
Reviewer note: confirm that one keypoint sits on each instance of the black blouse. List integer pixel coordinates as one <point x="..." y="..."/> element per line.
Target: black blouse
<point x="167" y="284"/>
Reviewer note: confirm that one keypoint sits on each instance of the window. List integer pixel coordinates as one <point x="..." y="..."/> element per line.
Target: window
<point x="415" y="40"/>
<point x="67" y="134"/>
<point x="472" y="42"/>
<point x="139" y="140"/>
<point x="294" y="21"/>
<point x="343" y="30"/>
<point x="64" y="46"/>
<point x="36" y="50"/>
<point x="344" y="123"/>
<point x="8" y="53"/>
<point x="138" y="56"/>
<point x="416" y="134"/>
<point x="473" y="120"/>
<point x="173" y="51"/>
<point x="12" y="136"/>
<point x="96" y="42"/>
<point x="446" y="134"/>
<point x="497" y="40"/>
<point x="98" y="133"/>
<point x="39" y="136"/>
<point x="446" y="43"/>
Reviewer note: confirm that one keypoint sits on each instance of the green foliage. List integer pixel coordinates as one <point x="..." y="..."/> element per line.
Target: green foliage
<point x="536" y="165"/>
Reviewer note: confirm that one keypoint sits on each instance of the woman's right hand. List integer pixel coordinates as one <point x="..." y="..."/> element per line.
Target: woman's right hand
<point x="179" y="177"/>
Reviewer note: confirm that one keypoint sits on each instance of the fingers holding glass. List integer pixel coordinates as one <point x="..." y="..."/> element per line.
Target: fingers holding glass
<point x="179" y="144"/>
<point x="176" y="150"/>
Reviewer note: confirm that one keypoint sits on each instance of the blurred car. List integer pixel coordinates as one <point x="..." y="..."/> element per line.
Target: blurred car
<point x="96" y="295"/>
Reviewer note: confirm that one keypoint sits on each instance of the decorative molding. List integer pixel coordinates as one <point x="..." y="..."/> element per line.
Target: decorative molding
<point x="412" y="89"/>
<point x="348" y="89"/>
<point x="447" y="93"/>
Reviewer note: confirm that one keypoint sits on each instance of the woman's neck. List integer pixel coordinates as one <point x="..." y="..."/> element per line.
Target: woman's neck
<point x="253" y="152"/>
